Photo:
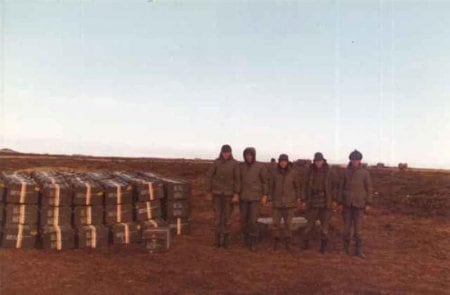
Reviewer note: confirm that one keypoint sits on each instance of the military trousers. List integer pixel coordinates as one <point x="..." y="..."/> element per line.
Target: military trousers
<point x="249" y="216"/>
<point x="313" y="214"/>
<point x="222" y="212"/>
<point x="353" y="219"/>
<point x="278" y="228"/>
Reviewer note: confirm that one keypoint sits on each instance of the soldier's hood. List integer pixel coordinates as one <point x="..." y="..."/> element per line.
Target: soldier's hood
<point x="251" y="151"/>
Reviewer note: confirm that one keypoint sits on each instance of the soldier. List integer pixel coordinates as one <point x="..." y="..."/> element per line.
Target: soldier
<point x="253" y="191"/>
<point x="222" y="187"/>
<point x="285" y="196"/>
<point x="319" y="195"/>
<point x="355" y="195"/>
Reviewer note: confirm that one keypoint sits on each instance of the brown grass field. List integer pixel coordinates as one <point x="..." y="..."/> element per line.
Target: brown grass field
<point x="407" y="243"/>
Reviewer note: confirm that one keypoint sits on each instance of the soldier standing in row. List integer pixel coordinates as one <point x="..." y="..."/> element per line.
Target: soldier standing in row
<point x="222" y="187"/>
<point x="285" y="196"/>
<point x="319" y="196"/>
<point x="253" y="191"/>
<point x="355" y="195"/>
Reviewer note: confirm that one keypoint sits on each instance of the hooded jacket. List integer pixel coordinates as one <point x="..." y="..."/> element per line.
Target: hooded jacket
<point x="253" y="179"/>
<point x="355" y="188"/>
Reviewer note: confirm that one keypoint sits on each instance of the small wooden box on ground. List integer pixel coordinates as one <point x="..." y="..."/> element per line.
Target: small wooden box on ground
<point x="148" y="210"/>
<point x="118" y="213"/>
<point x="85" y="215"/>
<point x="125" y="233"/>
<point x="265" y="225"/>
<point x="92" y="236"/>
<point x="19" y="189"/>
<point x="55" y="237"/>
<point x="19" y="236"/>
<point x="180" y="226"/>
<point x="22" y="214"/>
<point x="156" y="236"/>
<point x="51" y="215"/>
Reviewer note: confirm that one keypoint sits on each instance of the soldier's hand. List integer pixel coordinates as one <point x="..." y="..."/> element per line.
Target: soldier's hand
<point x="339" y="208"/>
<point x="209" y="196"/>
<point x="264" y="200"/>
<point x="235" y="199"/>
<point x="367" y="209"/>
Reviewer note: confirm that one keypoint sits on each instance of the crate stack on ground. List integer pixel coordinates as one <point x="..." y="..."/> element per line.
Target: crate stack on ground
<point x="88" y="212"/>
<point x="176" y="206"/>
<point x="20" y="212"/>
<point x="148" y="193"/>
<point x="56" y="231"/>
<point x="118" y="208"/>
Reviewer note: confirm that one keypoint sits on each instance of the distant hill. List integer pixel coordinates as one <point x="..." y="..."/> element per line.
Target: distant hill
<point x="8" y="151"/>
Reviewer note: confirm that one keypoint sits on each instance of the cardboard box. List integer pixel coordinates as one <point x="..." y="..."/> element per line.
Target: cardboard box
<point x="22" y="214"/>
<point x="57" y="237"/>
<point x="52" y="215"/>
<point x="19" y="236"/>
<point x="118" y="213"/>
<point x="148" y="210"/>
<point x="85" y="215"/>
<point x="92" y="236"/>
<point x="125" y="233"/>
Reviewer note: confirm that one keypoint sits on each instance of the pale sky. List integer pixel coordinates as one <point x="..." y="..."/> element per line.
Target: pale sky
<point x="180" y="78"/>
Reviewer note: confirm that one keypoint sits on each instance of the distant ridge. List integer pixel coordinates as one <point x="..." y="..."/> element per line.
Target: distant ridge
<point x="8" y="151"/>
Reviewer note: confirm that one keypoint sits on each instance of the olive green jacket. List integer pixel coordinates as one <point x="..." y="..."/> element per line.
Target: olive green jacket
<point x="223" y="177"/>
<point x="253" y="181"/>
<point x="355" y="188"/>
<point x="284" y="187"/>
<point x="319" y="186"/>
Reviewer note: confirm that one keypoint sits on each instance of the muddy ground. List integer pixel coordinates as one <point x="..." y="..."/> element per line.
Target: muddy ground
<point x="407" y="238"/>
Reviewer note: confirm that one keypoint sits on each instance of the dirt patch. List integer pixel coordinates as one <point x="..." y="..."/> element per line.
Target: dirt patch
<point x="407" y="253"/>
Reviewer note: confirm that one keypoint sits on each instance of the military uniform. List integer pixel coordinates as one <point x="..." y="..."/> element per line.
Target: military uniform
<point x="318" y="197"/>
<point x="284" y="194"/>
<point x="223" y="178"/>
<point x="355" y="194"/>
<point x="253" y="185"/>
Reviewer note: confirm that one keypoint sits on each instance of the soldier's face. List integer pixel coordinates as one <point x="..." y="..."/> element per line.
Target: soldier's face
<point x="283" y="164"/>
<point x="226" y="155"/>
<point x="319" y="163"/>
<point x="356" y="163"/>
<point x="248" y="158"/>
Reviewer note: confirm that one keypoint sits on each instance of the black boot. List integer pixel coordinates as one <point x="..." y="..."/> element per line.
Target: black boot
<point x="347" y="247"/>
<point x="253" y="242"/>
<point x="305" y="245"/>
<point x="287" y="243"/>
<point x="218" y="241"/>
<point x="276" y="241"/>
<point x="359" y="253"/>
<point x="323" y="246"/>
<point x="226" y="241"/>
